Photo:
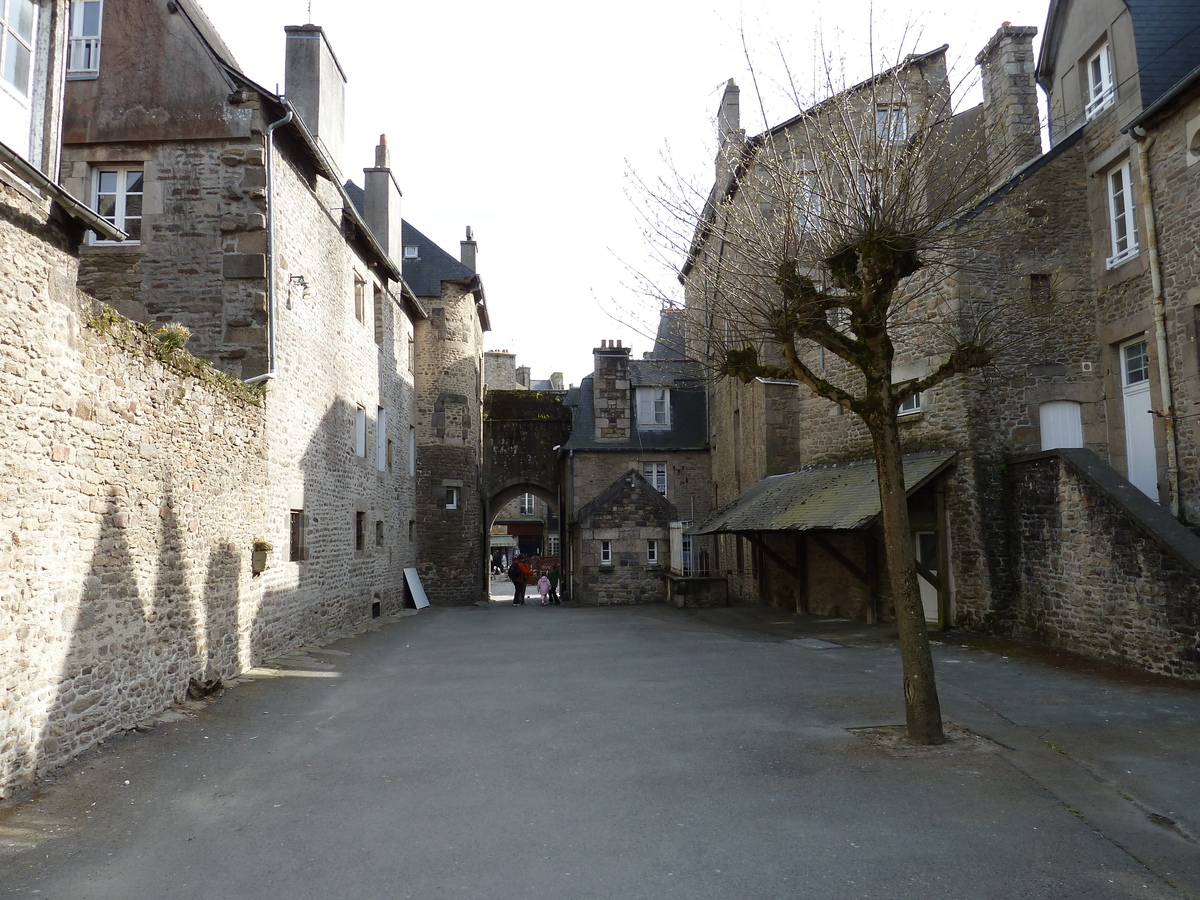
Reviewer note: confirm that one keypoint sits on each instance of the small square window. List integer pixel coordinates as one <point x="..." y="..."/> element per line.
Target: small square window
<point x="411" y="252"/>
<point x="606" y="553"/>
<point x="654" y="407"/>
<point x="909" y="405"/>
<point x="451" y="498"/>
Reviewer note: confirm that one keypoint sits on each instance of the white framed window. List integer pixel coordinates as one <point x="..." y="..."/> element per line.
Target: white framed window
<point x="552" y="545"/>
<point x="910" y="405"/>
<point x="451" y="498"/>
<point x="1122" y="222"/>
<point x="652" y="553"/>
<point x="606" y="553"/>
<point x="1101" y="89"/>
<point x="117" y="193"/>
<point x="381" y="441"/>
<point x="18" y="30"/>
<point x="891" y="123"/>
<point x="360" y="432"/>
<point x="527" y="504"/>
<point x="83" y="54"/>
<point x="656" y="474"/>
<point x="411" y="252"/>
<point x="654" y="407"/>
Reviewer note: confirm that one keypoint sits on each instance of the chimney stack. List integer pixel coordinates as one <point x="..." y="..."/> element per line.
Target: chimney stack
<point x="315" y="84"/>
<point x="468" y="249"/>
<point x="730" y="136"/>
<point x="1010" y="104"/>
<point x="612" y="412"/>
<point x="381" y="203"/>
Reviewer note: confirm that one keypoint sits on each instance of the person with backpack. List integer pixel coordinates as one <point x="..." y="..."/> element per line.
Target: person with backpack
<point x="521" y="575"/>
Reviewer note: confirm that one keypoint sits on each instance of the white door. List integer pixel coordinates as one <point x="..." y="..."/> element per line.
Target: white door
<point x="925" y="550"/>
<point x="1140" y="457"/>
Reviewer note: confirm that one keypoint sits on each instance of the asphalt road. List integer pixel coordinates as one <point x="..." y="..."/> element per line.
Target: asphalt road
<point x="554" y="752"/>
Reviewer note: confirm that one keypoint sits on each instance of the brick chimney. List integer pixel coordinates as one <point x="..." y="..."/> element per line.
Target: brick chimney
<point x="468" y="249"/>
<point x="315" y="84"/>
<point x="1010" y="102"/>
<point x="613" y="416"/>
<point x="381" y="203"/>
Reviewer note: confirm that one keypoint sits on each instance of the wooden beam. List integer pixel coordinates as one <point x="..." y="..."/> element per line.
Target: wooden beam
<point x="757" y="541"/>
<point x="840" y="557"/>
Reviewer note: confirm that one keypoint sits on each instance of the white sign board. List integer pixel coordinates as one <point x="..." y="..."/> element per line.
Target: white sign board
<point x="414" y="585"/>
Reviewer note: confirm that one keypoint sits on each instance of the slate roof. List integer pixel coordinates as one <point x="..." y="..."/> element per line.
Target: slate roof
<point x="839" y="497"/>
<point x="670" y="342"/>
<point x="1166" y="37"/>
<point x="1167" y="34"/>
<point x="424" y="275"/>
<point x="432" y="266"/>
<point x="631" y="480"/>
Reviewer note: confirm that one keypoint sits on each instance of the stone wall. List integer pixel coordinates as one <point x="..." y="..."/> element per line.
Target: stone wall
<point x="1103" y="570"/>
<point x="130" y="498"/>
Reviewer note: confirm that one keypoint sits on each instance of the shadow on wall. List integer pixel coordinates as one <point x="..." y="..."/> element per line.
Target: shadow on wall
<point x="134" y="644"/>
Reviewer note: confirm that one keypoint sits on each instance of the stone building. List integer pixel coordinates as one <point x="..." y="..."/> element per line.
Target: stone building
<point x="168" y="517"/>
<point x="448" y="421"/>
<point x="242" y="232"/>
<point x="1011" y="524"/>
<point x="646" y="417"/>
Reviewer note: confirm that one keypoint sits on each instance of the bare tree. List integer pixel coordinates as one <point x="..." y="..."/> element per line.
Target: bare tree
<point x="830" y="237"/>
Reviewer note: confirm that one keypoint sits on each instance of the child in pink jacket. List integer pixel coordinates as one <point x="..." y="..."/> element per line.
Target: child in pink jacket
<point x="543" y="587"/>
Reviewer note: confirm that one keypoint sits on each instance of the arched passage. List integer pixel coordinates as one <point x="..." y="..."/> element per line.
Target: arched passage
<point x="522" y="433"/>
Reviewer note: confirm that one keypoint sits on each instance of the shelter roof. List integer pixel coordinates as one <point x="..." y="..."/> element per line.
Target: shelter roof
<point x="837" y="497"/>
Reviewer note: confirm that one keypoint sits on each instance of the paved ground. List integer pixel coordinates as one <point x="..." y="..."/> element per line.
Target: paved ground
<point x="628" y="753"/>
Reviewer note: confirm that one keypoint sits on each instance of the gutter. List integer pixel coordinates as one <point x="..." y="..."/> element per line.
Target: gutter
<point x="74" y="207"/>
<point x="270" y="373"/>
<point x="1158" y="305"/>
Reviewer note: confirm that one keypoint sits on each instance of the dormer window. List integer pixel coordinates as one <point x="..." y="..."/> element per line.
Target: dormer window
<point x="654" y="407"/>
<point x="411" y="251"/>
<point x="83" y="57"/>
<point x="1100" y="87"/>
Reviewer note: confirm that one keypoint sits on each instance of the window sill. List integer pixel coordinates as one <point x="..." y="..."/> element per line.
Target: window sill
<point x="1120" y="259"/>
<point x="82" y="76"/>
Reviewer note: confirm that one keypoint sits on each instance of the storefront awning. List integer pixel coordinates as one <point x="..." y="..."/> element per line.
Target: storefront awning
<point x="837" y="497"/>
<point x="501" y="540"/>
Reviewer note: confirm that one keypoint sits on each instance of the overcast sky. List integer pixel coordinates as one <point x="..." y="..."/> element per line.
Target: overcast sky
<point x="522" y="119"/>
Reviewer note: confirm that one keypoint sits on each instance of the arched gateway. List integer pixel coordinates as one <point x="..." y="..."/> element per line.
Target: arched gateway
<point x="522" y="433"/>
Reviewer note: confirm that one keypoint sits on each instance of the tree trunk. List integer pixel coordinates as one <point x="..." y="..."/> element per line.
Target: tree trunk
<point x="922" y="710"/>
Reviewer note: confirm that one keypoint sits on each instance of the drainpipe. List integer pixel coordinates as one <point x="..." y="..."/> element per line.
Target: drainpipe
<point x="1160" y="320"/>
<point x="270" y="373"/>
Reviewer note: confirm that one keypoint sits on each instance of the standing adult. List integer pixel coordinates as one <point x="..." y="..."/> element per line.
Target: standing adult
<point x="522" y="577"/>
<point x="555" y="577"/>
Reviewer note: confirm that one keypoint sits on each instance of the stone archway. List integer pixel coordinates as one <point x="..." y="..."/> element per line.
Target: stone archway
<point x="522" y="433"/>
